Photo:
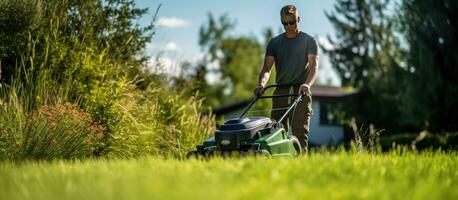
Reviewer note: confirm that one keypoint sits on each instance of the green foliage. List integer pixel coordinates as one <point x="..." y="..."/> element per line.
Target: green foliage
<point x="89" y="53"/>
<point x="17" y="17"/>
<point x="50" y="69"/>
<point x="37" y="123"/>
<point x="430" y="97"/>
<point x="156" y="121"/>
<point x="420" y="141"/>
<point x="77" y="45"/>
<point x="365" y="47"/>
<point x="105" y="26"/>
<point x="341" y="175"/>
<point x="366" y="139"/>
<point x="240" y="65"/>
<point x="72" y="27"/>
<point x="367" y="56"/>
<point x="58" y="131"/>
<point x="239" y="59"/>
<point x="212" y="35"/>
<point x="413" y="79"/>
<point x="150" y="121"/>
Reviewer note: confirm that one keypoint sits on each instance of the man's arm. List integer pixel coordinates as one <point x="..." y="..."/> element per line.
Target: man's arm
<point x="313" y="65"/>
<point x="265" y="71"/>
<point x="264" y="74"/>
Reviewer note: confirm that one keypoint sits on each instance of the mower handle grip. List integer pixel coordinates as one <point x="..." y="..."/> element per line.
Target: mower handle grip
<point x="281" y="85"/>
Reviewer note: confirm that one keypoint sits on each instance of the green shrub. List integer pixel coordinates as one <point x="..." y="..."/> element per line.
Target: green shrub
<point x="60" y="131"/>
<point x="158" y="121"/>
<point x="56" y="131"/>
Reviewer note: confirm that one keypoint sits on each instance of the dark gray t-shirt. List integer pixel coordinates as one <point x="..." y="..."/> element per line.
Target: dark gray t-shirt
<point x="291" y="63"/>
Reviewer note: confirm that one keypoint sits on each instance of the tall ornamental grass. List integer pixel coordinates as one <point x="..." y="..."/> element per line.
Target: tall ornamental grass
<point x="159" y="121"/>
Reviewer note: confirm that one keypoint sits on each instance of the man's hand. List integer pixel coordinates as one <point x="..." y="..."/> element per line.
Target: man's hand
<point x="304" y="88"/>
<point x="258" y="91"/>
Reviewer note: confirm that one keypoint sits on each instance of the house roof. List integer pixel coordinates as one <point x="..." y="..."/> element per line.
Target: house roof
<point x="332" y="93"/>
<point x="329" y="91"/>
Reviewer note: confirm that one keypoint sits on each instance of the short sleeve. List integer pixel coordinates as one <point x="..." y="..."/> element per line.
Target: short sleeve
<point x="312" y="47"/>
<point x="270" y="50"/>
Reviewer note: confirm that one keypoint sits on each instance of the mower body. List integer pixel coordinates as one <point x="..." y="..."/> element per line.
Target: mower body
<point x="259" y="136"/>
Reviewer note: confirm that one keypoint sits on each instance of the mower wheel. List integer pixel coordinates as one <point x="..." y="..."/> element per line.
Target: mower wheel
<point x="262" y="153"/>
<point x="209" y="154"/>
<point x="244" y="154"/>
<point x="226" y="154"/>
<point x="297" y="146"/>
<point x="192" y="154"/>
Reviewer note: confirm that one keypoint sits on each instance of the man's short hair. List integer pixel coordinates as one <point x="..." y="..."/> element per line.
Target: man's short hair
<point x="288" y="10"/>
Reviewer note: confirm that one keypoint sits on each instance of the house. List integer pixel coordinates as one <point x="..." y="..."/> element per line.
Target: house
<point x="324" y="124"/>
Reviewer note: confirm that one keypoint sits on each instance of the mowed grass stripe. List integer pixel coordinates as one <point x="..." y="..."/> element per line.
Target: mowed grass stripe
<point x="318" y="176"/>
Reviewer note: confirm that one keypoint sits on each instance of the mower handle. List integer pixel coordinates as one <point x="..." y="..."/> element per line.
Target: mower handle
<point x="255" y="98"/>
<point x="280" y="95"/>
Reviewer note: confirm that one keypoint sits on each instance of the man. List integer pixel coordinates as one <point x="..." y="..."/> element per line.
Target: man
<point x="295" y="55"/>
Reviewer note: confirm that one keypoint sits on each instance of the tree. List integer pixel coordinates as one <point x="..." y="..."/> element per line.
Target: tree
<point x="101" y="25"/>
<point x="239" y="59"/>
<point x="431" y="96"/>
<point x="17" y="18"/>
<point x="366" y="56"/>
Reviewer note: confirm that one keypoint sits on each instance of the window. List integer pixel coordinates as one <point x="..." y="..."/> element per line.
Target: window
<point x="329" y="113"/>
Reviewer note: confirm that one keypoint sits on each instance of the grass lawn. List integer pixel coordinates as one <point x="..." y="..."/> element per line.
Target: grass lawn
<point x="429" y="175"/>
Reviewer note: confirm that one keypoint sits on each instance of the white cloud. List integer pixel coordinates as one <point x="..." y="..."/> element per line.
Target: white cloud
<point x="172" y="22"/>
<point x="164" y="65"/>
<point x="171" y="46"/>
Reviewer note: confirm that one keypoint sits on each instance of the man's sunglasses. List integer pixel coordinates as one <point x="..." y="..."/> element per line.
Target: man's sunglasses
<point x="290" y="23"/>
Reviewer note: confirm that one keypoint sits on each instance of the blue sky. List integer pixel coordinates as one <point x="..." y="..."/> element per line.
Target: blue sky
<point x="179" y="22"/>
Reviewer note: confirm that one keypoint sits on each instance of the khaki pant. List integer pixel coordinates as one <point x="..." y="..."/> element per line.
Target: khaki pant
<point x="300" y="120"/>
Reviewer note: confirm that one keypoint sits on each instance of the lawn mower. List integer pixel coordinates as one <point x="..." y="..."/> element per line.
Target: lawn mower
<point x="256" y="136"/>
